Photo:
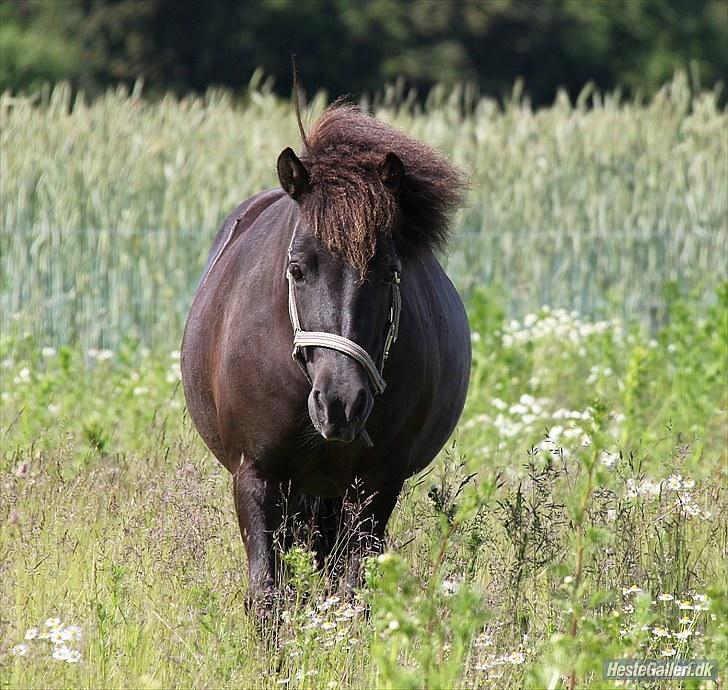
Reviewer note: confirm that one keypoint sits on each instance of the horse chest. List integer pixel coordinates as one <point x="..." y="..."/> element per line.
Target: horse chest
<point x="328" y="470"/>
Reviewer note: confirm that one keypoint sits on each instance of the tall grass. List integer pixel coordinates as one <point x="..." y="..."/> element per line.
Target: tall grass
<point x="596" y="526"/>
<point x="108" y="208"/>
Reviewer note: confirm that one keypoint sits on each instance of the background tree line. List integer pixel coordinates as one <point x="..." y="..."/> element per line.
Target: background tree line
<point x="355" y="46"/>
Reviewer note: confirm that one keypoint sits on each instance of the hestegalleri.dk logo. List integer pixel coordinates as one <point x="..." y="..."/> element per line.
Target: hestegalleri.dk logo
<point x="656" y="669"/>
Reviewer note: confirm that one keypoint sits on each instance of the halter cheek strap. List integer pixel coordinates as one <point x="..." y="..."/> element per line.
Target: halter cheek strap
<point x="303" y="339"/>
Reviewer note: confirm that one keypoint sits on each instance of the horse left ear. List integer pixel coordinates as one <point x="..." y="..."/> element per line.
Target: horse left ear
<point x="292" y="174"/>
<point x="391" y="172"/>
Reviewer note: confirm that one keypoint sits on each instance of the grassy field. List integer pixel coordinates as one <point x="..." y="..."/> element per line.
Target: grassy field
<point x="579" y="512"/>
<point x="598" y="508"/>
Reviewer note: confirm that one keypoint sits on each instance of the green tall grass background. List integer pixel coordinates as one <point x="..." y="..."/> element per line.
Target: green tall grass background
<point x="109" y="208"/>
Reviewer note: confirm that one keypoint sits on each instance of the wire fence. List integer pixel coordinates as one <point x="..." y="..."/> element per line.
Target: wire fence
<point x="96" y="287"/>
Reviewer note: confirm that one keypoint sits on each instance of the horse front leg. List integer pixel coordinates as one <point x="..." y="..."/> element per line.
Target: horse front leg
<point x="258" y="505"/>
<point x="367" y="513"/>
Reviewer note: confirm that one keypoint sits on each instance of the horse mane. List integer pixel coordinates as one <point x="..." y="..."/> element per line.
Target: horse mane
<point x="349" y="207"/>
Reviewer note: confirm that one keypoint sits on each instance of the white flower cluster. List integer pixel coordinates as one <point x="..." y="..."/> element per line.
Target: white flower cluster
<point x="100" y="355"/>
<point x="55" y="633"/>
<point x="645" y="487"/>
<point x="22" y="377"/>
<point x="596" y="373"/>
<point x="688" y="602"/>
<point x="530" y="416"/>
<point x="329" y="621"/>
<point x="684" y="502"/>
<point x="559" y="324"/>
<point x="514" y="658"/>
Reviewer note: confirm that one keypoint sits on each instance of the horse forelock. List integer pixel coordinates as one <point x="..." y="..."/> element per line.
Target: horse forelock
<point x="348" y="206"/>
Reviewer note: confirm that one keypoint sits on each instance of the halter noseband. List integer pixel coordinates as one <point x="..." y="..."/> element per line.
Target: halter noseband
<point x="303" y="339"/>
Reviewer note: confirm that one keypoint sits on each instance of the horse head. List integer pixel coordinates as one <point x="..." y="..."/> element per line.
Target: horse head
<point x="343" y="272"/>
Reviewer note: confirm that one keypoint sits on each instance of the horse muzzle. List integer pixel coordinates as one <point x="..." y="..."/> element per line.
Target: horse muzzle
<point x="339" y="413"/>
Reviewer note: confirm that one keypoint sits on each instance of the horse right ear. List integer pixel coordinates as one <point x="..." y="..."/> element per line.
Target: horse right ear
<point x="292" y="174"/>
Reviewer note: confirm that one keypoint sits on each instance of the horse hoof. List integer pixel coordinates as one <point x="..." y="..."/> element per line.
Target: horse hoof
<point x="264" y="611"/>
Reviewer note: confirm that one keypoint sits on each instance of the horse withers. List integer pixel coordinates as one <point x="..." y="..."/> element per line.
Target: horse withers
<point x="337" y="267"/>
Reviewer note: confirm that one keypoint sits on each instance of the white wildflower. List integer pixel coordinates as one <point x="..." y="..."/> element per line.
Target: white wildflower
<point x="61" y="652"/>
<point x="19" y="650"/>
<point x="555" y="432"/>
<point x="23" y="376"/>
<point x="74" y="631"/>
<point x="450" y="587"/>
<point x="608" y="459"/>
<point x="674" y="482"/>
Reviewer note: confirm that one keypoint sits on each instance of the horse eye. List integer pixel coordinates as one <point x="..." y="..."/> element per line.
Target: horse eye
<point x="296" y="272"/>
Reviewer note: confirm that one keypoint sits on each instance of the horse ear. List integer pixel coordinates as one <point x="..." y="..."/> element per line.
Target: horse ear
<point x="391" y="172"/>
<point x="292" y="174"/>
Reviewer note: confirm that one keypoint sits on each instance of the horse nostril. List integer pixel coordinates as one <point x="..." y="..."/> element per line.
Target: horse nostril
<point x="317" y="401"/>
<point x="359" y="406"/>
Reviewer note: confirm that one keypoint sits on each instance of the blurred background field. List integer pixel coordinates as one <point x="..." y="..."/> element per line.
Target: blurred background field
<point x="579" y="511"/>
<point x="110" y="206"/>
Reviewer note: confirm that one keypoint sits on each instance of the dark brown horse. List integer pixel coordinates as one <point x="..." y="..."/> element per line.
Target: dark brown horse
<point x="341" y="261"/>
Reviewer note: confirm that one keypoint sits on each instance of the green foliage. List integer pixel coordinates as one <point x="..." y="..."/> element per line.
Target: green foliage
<point x="422" y="636"/>
<point x="348" y="46"/>
<point x="32" y="56"/>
